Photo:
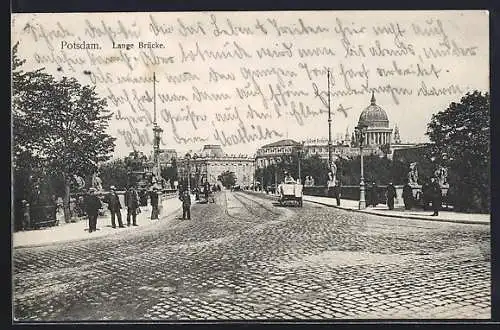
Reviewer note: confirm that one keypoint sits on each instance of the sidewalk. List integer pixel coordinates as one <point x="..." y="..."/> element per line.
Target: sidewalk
<point x="79" y="230"/>
<point x="400" y="212"/>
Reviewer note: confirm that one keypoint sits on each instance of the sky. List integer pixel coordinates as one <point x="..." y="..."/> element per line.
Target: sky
<point x="246" y="79"/>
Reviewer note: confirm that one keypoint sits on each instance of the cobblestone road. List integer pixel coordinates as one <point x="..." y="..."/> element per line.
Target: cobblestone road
<point x="244" y="258"/>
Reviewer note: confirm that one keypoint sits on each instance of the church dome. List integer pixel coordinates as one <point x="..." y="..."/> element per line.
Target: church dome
<point x="374" y="115"/>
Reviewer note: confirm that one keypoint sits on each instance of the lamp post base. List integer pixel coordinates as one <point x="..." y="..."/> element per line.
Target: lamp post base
<point x="362" y="199"/>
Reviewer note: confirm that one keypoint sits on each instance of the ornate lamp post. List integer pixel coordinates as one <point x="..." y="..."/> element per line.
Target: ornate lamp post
<point x="329" y="124"/>
<point x="360" y="133"/>
<point x="188" y="158"/>
<point x="157" y="130"/>
<point x="299" y="154"/>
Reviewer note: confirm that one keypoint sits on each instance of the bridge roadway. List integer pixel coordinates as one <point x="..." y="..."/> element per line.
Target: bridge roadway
<point x="246" y="258"/>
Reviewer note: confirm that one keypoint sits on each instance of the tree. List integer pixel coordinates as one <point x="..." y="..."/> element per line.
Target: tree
<point x="460" y="135"/>
<point x="59" y="125"/>
<point x="115" y="173"/>
<point x="170" y="173"/>
<point x="316" y="167"/>
<point x="227" y="178"/>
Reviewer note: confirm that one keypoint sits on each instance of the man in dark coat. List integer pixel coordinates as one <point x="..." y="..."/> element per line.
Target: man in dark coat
<point x="186" y="205"/>
<point x="114" y="207"/>
<point x="370" y="191"/>
<point x="435" y="191"/>
<point x="407" y="196"/>
<point x="132" y="204"/>
<point x="391" y="194"/>
<point x="374" y="196"/>
<point x="92" y="204"/>
<point x="337" y="189"/>
<point x="143" y="197"/>
<point x="206" y="190"/>
<point x="153" y="195"/>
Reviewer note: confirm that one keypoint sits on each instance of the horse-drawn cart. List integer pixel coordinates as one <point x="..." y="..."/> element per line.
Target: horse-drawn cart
<point x="290" y="192"/>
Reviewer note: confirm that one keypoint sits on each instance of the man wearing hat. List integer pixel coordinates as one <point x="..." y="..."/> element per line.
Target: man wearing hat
<point x="114" y="207"/>
<point x="391" y="194"/>
<point x="185" y="197"/>
<point x="132" y="204"/>
<point x="92" y="205"/>
<point x="435" y="192"/>
<point x="153" y="195"/>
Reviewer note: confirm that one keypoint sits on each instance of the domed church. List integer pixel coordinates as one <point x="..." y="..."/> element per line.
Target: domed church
<point x="375" y="118"/>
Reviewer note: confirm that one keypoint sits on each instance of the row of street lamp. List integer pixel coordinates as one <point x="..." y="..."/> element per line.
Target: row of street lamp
<point x="360" y="134"/>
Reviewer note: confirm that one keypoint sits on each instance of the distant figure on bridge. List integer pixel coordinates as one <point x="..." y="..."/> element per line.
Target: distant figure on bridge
<point x="153" y="195"/>
<point x="391" y="194"/>
<point x="337" y="191"/>
<point x="371" y="194"/>
<point x="206" y="190"/>
<point x="132" y="204"/>
<point x="114" y="207"/>
<point x="186" y="204"/>
<point x="92" y="206"/>
<point x="435" y="191"/>
<point x="408" y="196"/>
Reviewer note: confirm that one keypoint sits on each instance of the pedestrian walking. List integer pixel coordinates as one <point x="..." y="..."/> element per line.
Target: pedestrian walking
<point x="92" y="204"/>
<point x="371" y="194"/>
<point x="408" y="196"/>
<point x="337" y="190"/>
<point x="206" y="191"/>
<point x="153" y="195"/>
<point x="391" y="194"/>
<point x="132" y="204"/>
<point x="435" y="190"/>
<point x="143" y="197"/>
<point x="186" y="205"/>
<point x="114" y="207"/>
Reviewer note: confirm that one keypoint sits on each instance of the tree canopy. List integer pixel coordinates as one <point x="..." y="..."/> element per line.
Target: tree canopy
<point x="59" y="125"/>
<point x="228" y="179"/>
<point x="460" y="138"/>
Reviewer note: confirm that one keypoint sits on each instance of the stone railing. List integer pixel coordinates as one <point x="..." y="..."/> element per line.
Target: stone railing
<point x="351" y="192"/>
<point x="35" y="216"/>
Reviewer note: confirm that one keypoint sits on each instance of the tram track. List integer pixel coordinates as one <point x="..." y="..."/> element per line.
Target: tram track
<point x="251" y="210"/>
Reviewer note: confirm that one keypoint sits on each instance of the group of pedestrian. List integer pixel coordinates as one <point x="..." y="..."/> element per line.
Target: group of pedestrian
<point x="93" y="204"/>
<point x="431" y="193"/>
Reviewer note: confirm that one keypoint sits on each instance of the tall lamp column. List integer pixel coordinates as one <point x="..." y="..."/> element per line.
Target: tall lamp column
<point x="188" y="158"/>
<point x="360" y="132"/>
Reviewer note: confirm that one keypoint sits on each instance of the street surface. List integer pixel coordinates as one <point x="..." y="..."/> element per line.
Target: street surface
<point x="246" y="258"/>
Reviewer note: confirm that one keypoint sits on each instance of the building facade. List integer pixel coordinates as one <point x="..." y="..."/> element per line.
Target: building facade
<point x="275" y="152"/>
<point x="211" y="161"/>
<point x="378" y="141"/>
<point x="167" y="156"/>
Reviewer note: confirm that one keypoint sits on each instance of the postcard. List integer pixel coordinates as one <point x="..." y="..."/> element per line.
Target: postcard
<point x="251" y="166"/>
